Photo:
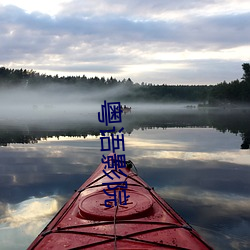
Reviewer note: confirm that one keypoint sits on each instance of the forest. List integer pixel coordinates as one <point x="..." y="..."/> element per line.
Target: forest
<point x="224" y="93"/>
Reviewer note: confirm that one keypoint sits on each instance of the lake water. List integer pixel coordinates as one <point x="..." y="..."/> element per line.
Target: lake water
<point x="193" y="158"/>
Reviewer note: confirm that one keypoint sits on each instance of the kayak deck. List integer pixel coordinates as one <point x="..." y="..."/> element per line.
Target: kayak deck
<point x="144" y="221"/>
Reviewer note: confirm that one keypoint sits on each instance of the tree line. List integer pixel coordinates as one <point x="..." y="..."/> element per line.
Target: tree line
<point x="235" y="122"/>
<point x="236" y="91"/>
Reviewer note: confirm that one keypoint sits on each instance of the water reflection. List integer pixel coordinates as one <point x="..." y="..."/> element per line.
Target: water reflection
<point x="84" y="124"/>
<point x="193" y="161"/>
<point x="19" y="222"/>
<point x="29" y="210"/>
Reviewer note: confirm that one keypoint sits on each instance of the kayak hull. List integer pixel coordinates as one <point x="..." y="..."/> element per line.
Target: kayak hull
<point x="142" y="221"/>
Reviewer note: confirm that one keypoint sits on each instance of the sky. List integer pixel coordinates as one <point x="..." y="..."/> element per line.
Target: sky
<point x="153" y="41"/>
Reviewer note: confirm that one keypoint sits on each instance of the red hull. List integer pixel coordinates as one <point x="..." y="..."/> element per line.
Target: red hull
<point x="146" y="222"/>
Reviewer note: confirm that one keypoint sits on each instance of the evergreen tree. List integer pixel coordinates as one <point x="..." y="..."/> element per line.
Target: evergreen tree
<point x="246" y="69"/>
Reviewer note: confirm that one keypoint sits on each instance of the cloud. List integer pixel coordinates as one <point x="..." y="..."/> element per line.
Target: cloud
<point x="233" y="204"/>
<point x="26" y="220"/>
<point x="148" y="9"/>
<point x="202" y="31"/>
<point x="29" y="210"/>
<point x="91" y="37"/>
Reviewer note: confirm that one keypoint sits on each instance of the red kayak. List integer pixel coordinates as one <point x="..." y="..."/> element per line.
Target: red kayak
<point x="117" y="210"/>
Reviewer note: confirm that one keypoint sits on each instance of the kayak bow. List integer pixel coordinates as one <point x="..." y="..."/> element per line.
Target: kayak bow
<point x="142" y="221"/>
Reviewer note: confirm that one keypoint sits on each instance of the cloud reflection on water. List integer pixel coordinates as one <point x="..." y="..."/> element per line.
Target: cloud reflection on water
<point x="226" y="216"/>
<point x="22" y="222"/>
<point x="236" y="156"/>
<point x="204" y="178"/>
<point x="29" y="210"/>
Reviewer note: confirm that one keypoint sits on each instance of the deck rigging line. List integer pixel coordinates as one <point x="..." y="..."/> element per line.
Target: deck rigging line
<point x="115" y="238"/>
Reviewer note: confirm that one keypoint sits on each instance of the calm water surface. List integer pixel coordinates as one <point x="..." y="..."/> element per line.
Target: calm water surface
<point x="192" y="158"/>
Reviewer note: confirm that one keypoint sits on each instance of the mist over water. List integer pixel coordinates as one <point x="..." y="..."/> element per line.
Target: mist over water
<point x="59" y="107"/>
<point x="61" y="102"/>
<point x="55" y="102"/>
